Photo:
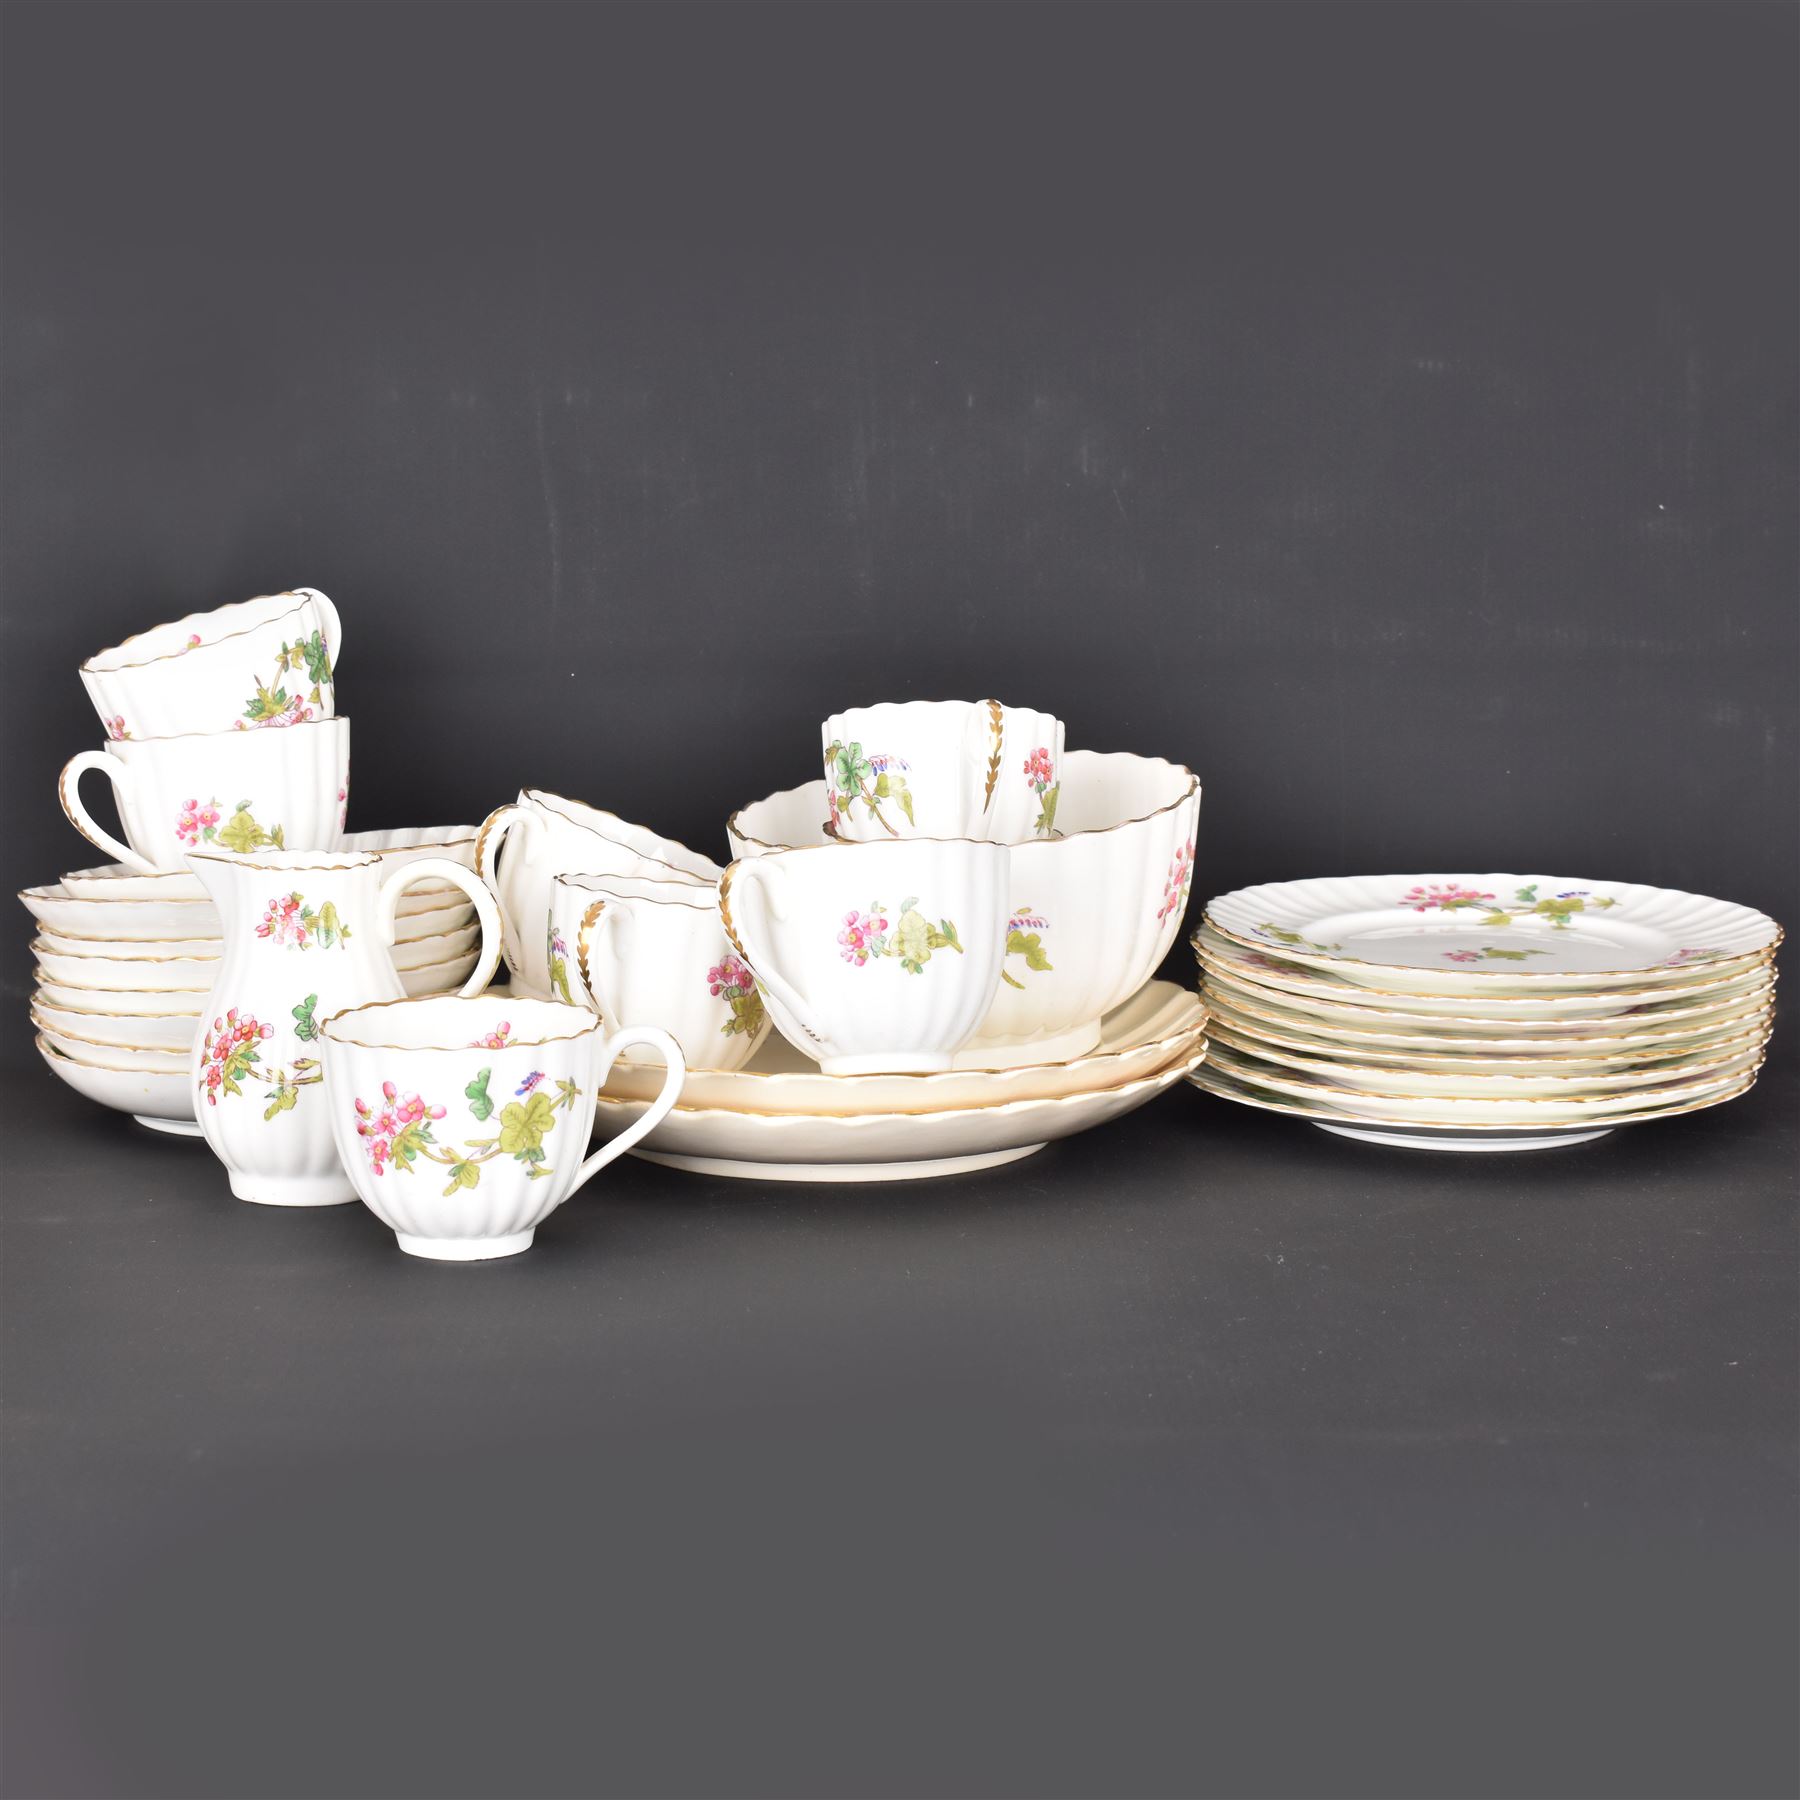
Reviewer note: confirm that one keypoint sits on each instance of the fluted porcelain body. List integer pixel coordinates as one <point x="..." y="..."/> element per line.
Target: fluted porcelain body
<point x="304" y="937"/>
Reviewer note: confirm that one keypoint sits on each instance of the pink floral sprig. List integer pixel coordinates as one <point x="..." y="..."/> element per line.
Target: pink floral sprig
<point x="495" y="1039"/>
<point x="196" y="821"/>
<point x="1447" y="896"/>
<point x="730" y="978"/>
<point x="1039" y="770"/>
<point x="859" y="936"/>
<point x="393" y="1132"/>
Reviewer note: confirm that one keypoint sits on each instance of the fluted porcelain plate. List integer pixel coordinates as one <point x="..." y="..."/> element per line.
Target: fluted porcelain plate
<point x="1412" y="1108"/>
<point x="1445" y="934"/>
<point x="1424" y="1134"/>
<point x="882" y="1146"/>
<point x="1258" y="969"/>
<point x="1135" y="1039"/>
<point x="1509" y="1056"/>
<point x="149" y="1095"/>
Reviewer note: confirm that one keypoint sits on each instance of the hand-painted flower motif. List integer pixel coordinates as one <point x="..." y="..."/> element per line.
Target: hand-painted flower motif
<point x="1176" y="883"/>
<point x="1292" y="939"/>
<point x="731" y="981"/>
<point x="495" y="1039"/>
<point x="1491" y="953"/>
<point x="911" y="939"/>
<point x="272" y="704"/>
<point x="1024" y="938"/>
<point x="198" y="822"/>
<point x="529" y="1082"/>
<point x="1445" y="897"/>
<point x="853" y="778"/>
<point x="1040" y="777"/>
<point x="229" y="1054"/>
<point x="115" y="728"/>
<point x="193" y="643"/>
<point x="397" y="1132"/>
<point x="556" y="956"/>
<point x="1682" y="958"/>
<point x="292" y="924"/>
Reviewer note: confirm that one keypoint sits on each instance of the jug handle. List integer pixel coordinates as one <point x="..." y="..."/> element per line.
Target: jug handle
<point x="68" y="785"/>
<point x="762" y="873"/>
<point x="675" y="1073"/>
<point x="441" y="868"/>
<point x="334" y="631"/>
<point x="494" y="829"/>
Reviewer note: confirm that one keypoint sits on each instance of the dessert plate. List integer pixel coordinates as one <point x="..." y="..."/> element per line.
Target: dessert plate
<point x="880" y="1146"/>
<point x="1509" y="1056"/>
<point x="170" y="1033"/>
<point x="153" y="1098"/>
<point x="1370" y="1104"/>
<point x="1422" y="1134"/>
<point x="1520" y="1082"/>
<point x="1136" y="1039"/>
<point x="1258" y="969"/>
<point x="1442" y="934"/>
<point x="1604" y="1038"/>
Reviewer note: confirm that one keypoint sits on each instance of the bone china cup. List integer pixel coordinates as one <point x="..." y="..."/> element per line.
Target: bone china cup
<point x="230" y="792"/>
<point x="542" y="836"/>
<point x="943" y="769"/>
<point x="873" y="958"/>
<point x="1094" y="910"/>
<point x="261" y="662"/>
<point x="656" y="953"/>
<point x="463" y="1124"/>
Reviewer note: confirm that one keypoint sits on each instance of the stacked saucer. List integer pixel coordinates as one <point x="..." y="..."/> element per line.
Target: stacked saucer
<point x="125" y="961"/>
<point x="1482" y="1012"/>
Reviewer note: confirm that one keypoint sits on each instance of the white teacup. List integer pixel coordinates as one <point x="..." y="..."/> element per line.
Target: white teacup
<point x="656" y="953"/>
<point x="874" y="958"/>
<point x="237" y="793"/>
<point x="544" y="836"/>
<point x="463" y="1124"/>
<point x="942" y="769"/>
<point x="256" y="663"/>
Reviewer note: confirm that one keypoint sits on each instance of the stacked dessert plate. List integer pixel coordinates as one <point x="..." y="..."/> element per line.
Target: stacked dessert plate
<point x="125" y="961"/>
<point x="1482" y="1012"/>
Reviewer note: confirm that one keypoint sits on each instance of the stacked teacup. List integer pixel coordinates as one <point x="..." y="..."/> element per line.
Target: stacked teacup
<point x="222" y="735"/>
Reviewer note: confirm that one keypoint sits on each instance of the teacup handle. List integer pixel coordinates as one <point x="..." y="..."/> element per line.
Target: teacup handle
<point x="441" y="868"/>
<point x="675" y="1073"/>
<point x="333" y="630"/>
<point x="749" y="877"/>
<point x="599" y="919"/>
<point x="68" y="791"/>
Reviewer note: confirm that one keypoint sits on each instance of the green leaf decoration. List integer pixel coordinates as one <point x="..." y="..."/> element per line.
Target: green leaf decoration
<point x="567" y="1094"/>
<point x="331" y="929"/>
<point x="559" y="978"/>
<point x="1046" y="819"/>
<point x="318" y="660"/>
<point x="903" y="794"/>
<point x="477" y="1096"/>
<point x="1527" y="896"/>
<point x="463" y="1174"/>
<point x="241" y="833"/>
<point x="305" y="1027"/>
<point x="524" y="1125"/>
<point x="1030" y="946"/>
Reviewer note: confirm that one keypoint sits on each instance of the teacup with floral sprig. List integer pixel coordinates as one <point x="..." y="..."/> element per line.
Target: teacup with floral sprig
<point x="464" y="1123"/>
<point x="942" y="769"/>
<point x="257" y="663"/>
<point x="647" y="952"/>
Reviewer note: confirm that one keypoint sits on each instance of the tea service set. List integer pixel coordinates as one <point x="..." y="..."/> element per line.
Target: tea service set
<point x="938" y="955"/>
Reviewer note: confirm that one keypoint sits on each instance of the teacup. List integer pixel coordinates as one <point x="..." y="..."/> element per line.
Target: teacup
<point x="942" y="769"/>
<point x="261" y="662"/>
<point x="286" y="789"/>
<point x="656" y="953"/>
<point x="874" y="958"/>
<point x="463" y="1124"/>
<point x="546" y="836"/>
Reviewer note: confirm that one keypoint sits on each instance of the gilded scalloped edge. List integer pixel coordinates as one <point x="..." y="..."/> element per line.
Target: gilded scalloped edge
<point x="302" y="597"/>
<point x="590" y="1022"/>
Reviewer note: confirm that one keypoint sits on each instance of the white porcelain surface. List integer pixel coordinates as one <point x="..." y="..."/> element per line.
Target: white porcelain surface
<point x="171" y="1034"/>
<point x="1446" y="934"/>
<point x="305" y="936"/>
<point x="77" y="921"/>
<point x="464" y="1123"/>
<point x="144" y="1093"/>
<point x="878" y="1146"/>
<point x="162" y="973"/>
<point x="1158" y="1023"/>
<point x="656" y="953"/>
<point x="119" y="1002"/>
<point x="874" y="957"/>
<point x="1094" y="911"/>
<point x="526" y="844"/>
<point x="942" y="769"/>
<point x="251" y="665"/>
<point x="1258" y="971"/>
<point x="238" y="794"/>
<point x="438" y="978"/>
<point x="158" y="1060"/>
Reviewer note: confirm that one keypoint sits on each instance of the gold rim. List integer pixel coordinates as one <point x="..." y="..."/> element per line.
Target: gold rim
<point x="49" y="1051"/>
<point x="150" y="662"/>
<point x="1452" y="1100"/>
<point x="734" y="825"/>
<point x="359" y="859"/>
<point x="98" y="1012"/>
<point x="1233" y="1039"/>
<point x="1296" y="1109"/>
<point x="538" y="797"/>
<point x="50" y="1028"/>
<point x="53" y="893"/>
<point x="592" y="1023"/>
<point x="1363" y="962"/>
<point x="40" y="949"/>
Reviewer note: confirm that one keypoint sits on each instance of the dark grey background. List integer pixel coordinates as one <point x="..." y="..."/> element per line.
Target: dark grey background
<point x="1389" y="411"/>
